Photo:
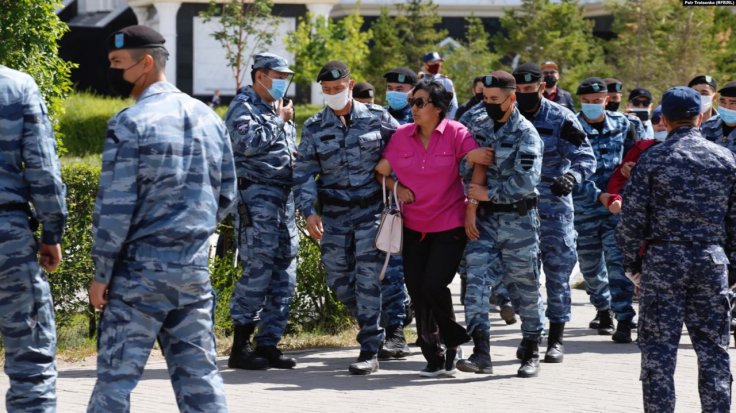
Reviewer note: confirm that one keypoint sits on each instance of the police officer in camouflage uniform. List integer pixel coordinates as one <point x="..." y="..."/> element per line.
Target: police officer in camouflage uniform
<point x="504" y="238"/>
<point x="264" y="144"/>
<point x="29" y="172"/>
<point x="681" y="210"/>
<point x="167" y="179"/>
<point x="568" y="159"/>
<point x="600" y="259"/>
<point x="364" y="93"/>
<point x="722" y="129"/>
<point x="432" y="67"/>
<point x="395" y="297"/>
<point x="637" y="131"/>
<point x="342" y="145"/>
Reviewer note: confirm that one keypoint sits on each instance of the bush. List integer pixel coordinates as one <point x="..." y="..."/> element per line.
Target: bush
<point x="83" y="125"/>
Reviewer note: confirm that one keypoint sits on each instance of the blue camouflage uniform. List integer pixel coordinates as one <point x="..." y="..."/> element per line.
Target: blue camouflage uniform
<point x="29" y="172"/>
<point x="637" y="132"/>
<point x="508" y="248"/>
<point x="712" y="130"/>
<point x="264" y="148"/>
<point x="393" y="291"/>
<point x="344" y="157"/>
<point x="450" y="87"/>
<point x="681" y="199"/>
<point x="566" y="150"/>
<point x="167" y="179"/>
<point x="600" y="258"/>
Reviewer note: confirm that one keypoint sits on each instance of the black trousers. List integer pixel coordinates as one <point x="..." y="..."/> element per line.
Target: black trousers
<point x="430" y="263"/>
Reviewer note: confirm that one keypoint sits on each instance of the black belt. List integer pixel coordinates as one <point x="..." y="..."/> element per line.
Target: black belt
<point x="22" y="207"/>
<point x="679" y="242"/>
<point x="244" y="183"/>
<point x="522" y="207"/>
<point x="363" y="202"/>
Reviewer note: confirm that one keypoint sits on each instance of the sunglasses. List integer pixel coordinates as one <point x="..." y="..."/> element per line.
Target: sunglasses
<point x="418" y="102"/>
<point x="643" y="102"/>
<point x="549" y="73"/>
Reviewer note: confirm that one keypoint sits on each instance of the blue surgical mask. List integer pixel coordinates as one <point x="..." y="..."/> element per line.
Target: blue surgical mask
<point x="592" y="110"/>
<point x="728" y="115"/>
<point x="396" y="100"/>
<point x="278" y="88"/>
<point x="661" y="135"/>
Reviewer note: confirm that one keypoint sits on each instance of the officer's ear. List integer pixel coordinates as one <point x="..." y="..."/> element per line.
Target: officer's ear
<point x="699" y="121"/>
<point x="351" y="84"/>
<point x="542" y="87"/>
<point x="148" y="63"/>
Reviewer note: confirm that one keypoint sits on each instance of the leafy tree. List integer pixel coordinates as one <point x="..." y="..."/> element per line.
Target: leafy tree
<point x="318" y="40"/>
<point x="417" y="23"/>
<point x="541" y="30"/>
<point x="29" y="32"/>
<point x="724" y="38"/>
<point x="659" y="34"/>
<point x="386" y="53"/>
<point x="473" y="59"/>
<point x="245" y="28"/>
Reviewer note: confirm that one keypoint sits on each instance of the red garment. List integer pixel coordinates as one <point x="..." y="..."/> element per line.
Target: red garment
<point x="618" y="180"/>
<point x="551" y="95"/>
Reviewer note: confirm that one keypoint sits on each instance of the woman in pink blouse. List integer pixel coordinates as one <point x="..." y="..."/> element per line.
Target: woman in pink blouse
<point x="425" y="157"/>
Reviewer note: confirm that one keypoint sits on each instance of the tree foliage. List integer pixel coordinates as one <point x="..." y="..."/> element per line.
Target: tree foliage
<point x="386" y="53"/>
<point x="245" y="29"/>
<point x="473" y="59"/>
<point x="29" y="33"/>
<point x="417" y="24"/>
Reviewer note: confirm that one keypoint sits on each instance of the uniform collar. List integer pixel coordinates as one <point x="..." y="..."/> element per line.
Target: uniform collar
<point x="161" y="86"/>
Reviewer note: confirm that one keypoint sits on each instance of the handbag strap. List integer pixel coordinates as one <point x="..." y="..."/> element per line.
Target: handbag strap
<point x="387" y="200"/>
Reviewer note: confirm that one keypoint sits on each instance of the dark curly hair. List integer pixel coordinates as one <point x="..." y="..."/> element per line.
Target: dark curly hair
<point x="439" y="96"/>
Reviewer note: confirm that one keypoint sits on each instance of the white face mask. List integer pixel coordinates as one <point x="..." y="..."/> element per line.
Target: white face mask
<point x="706" y="102"/>
<point x="339" y="100"/>
<point x="660" y="135"/>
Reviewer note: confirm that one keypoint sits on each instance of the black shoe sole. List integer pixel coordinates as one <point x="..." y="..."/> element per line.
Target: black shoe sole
<point x="624" y="340"/>
<point x="233" y="365"/>
<point x="553" y="360"/>
<point x="360" y="372"/>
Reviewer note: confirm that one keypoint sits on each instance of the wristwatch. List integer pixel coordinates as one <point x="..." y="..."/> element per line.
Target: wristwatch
<point x="473" y="201"/>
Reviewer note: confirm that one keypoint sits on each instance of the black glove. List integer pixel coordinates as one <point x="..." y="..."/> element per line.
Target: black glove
<point x="563" y="185"/>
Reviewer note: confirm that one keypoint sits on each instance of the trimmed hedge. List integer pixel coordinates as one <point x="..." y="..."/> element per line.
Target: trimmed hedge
<point x="314" y="307"/>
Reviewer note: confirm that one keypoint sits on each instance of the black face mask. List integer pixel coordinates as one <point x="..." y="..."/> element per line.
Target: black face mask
<point x="117" y="82"/>
<point x="528" y="101"/>
<point x="613" y="106"/>
<point x="494" y="110"/>
<point x="550" y="81"/>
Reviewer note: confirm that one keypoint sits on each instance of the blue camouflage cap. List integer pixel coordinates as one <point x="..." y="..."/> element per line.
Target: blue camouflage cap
<point x="272" y="62"/>
<point x="681" y="102"/>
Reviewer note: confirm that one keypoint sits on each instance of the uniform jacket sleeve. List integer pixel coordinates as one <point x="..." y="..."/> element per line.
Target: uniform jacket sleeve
<point x="250" y="132"/>
<point x="307" y="167"/>
<point x="731" y="234"/>
<point x="632" y="227"/>
<point x="228" y="182"/>
<point x="575" y="147"/>
<point x="117" y="196"/>
<point x="527" y="170"/>
<point x="42" y="169"/>
<point x="388" y="126"/>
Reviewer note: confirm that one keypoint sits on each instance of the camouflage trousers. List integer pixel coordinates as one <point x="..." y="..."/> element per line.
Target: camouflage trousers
<point x="395" y="298"/>
<point x="557" y="244"/>
<point x="602" y="263"/>
<point x="353" y="266"/>
<point x="26" y="320"/>
<point x="150" y="300"/>
<point x="684" y="282"/>
<point x="507" y="251"/>
<point x="267" y="248"/>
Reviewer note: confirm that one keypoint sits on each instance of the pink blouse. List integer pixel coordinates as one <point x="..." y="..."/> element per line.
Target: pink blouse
<point x="432" y="174"/>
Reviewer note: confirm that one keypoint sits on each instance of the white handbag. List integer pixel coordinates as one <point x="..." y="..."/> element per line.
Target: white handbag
<point x="389" y="237"/>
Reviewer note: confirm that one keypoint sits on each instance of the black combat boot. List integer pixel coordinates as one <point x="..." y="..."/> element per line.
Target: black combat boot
<point x="623" y="332"/>
<point x="507" y="313"/>
<point x="555" y="350"/>
<point x="242" y="355"/>
<point x="530" y="360"/>
<point x="275" y="357"/>
<point x="395" y="345"/>
<point x="594" y="323"/>
<point x="480" y="361"/>
<point x="367" y="363"/>
<point x="605" y="325"/>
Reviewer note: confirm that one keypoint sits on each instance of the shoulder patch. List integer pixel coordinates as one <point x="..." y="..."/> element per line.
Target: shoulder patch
<point x="572" y="134"/>
<point x="242" y="127"/>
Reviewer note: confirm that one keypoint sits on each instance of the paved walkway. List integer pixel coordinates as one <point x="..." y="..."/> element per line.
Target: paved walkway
<point x="597" y="376"/>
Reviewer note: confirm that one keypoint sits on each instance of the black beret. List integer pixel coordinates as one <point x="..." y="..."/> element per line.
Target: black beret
<point x="363" y="90"/>
<point x="135" y="37"/>
<point x="527" y="73"/>
<point x="334" y="70"/>
<point x="640" y="92"/>
<point x="499" y="79"/>
<point x="614" y="85"/>
<point x="401" y="75"/>
<point x="703" y="80"/>
<point x="729" y="90"/>
<point x="592" y="85"/>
